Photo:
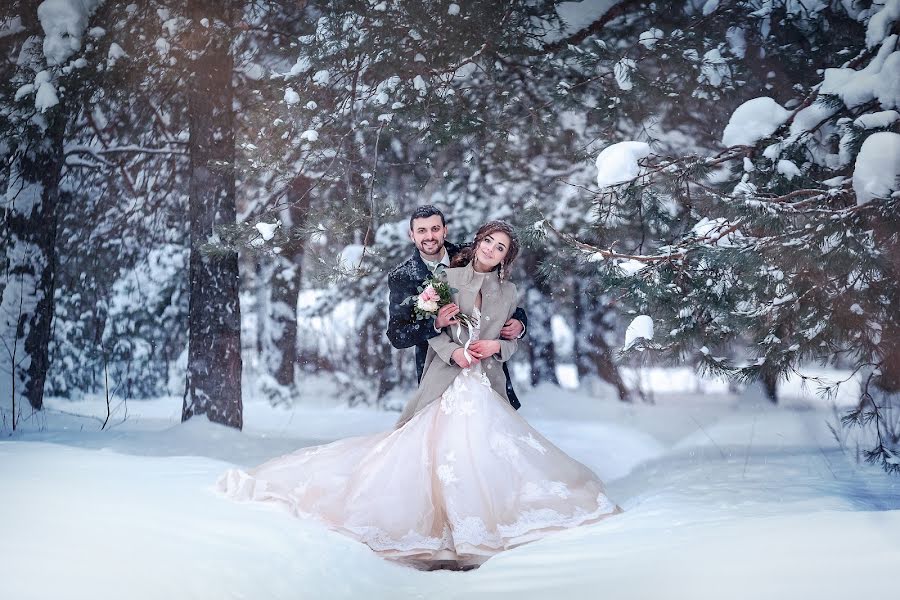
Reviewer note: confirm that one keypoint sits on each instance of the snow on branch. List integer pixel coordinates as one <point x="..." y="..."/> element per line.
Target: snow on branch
<point x="130" y="149"/>
<point x="593" y="28"/>
<point x="710" y="237"/>
<point x="451" y="69"/>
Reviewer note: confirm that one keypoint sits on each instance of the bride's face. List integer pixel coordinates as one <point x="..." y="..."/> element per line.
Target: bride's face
<point x="492" y="250"/>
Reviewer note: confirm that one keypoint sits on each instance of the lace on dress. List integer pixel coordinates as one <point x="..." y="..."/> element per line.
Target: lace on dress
<point x="465" y="478"/>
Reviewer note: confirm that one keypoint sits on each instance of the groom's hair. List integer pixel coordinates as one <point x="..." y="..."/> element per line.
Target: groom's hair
<point x="425" y="211"/>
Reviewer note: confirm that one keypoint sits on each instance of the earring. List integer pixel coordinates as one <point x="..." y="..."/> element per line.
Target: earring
<point x="501" y="271"/>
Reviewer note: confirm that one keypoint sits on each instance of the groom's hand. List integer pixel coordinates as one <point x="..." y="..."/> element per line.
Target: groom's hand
<point x="446" y="316"/>
<point x="512" y="329"/>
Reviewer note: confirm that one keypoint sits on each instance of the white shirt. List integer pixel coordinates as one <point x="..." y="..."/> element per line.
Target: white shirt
<point x="432" y="264"/>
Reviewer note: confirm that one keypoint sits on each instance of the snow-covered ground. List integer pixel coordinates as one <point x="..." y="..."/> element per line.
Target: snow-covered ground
<point x="725" y="496"/>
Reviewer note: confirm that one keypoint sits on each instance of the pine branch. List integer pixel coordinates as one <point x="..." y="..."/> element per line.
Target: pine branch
<point x="656" y="258"/>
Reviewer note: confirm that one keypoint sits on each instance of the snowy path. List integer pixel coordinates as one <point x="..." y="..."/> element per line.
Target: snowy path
<point x="722" y="501"/>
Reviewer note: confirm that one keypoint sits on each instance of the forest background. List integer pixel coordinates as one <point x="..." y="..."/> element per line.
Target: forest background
<point x="203" y="199"/>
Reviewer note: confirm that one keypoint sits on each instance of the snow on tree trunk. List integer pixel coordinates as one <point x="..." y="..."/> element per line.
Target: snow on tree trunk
<point x="26" y="308"/>
<point x="214" y="348"/>
<point x="286" y="285"/>
<point x="278" y="321"/>
<point x="279" y="346"/>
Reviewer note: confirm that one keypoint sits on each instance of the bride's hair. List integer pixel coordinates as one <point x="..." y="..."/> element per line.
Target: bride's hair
<point x="464" y="256"/>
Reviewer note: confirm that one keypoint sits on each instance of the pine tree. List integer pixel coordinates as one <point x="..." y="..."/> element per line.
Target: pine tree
<point x="423" y="103"/>
<point x="787" y="239"/>
<point x="35" y="66"/>
<point x="214" y="347"/>
<point x="117" y="183"/>
<point x="123" y="233"/>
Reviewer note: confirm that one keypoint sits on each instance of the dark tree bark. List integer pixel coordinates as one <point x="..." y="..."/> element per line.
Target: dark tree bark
<point x="769" y="379"/>
<point x="887" y="237"/>
<point x="593" y="356"/>
<point x="30" y="227"/>
<point x="286" y="284"/>
<point x="770" y="373"/>
<point x="539" y="306"/>
<point x="214" y="351"/>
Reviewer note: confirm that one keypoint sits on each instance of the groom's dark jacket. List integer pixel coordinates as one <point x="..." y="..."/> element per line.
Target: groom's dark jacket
<point x="405" y="331"/>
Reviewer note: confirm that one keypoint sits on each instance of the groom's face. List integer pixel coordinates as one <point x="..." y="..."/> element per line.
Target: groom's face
<point x="428" y="235"/>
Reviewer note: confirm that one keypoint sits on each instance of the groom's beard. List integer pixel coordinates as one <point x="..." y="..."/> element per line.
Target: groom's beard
<point x="432" y="252"/>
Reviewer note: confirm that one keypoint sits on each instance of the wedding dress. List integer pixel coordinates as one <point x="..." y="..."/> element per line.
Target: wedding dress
<point x="464" y="479"/>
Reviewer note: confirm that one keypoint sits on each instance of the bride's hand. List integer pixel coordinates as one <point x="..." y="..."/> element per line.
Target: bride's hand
<point x="459" y="357"/>
<point x="484" y="348"/>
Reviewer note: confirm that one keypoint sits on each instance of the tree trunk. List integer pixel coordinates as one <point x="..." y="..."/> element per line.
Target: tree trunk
<point x="286" y="285"/>
<point x="541" y="349"/>
<point x="30" y="226"/>
<point x="214" y="347"/>
<point x="886" y="238"/>
<point x="772" y="369"/>
<point x="769" y="379"/>
<point x="593" y="356"/>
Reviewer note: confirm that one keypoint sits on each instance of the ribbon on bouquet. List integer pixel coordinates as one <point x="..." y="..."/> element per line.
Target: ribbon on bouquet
<point x="459" y="325"/>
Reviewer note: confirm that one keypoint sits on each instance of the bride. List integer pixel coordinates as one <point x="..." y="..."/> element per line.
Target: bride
<point x="462" y="476"/>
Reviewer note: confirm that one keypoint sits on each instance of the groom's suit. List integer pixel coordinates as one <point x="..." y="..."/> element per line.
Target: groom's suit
<point x="404" y="331"/>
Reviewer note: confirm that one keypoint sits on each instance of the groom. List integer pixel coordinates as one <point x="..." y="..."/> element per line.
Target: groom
<point x="428" y="231"/>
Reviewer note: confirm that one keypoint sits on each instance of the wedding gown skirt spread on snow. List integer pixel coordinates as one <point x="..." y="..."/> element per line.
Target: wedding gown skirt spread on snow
<point x="464" y="479"/>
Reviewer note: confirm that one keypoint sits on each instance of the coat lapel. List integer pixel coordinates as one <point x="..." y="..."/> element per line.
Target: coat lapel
<point x="422" y="270"/>
<point x="493" y="309"/>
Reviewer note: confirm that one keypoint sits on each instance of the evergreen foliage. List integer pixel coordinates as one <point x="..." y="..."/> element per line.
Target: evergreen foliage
<point x="765" y="243"/>
<point x="349" y="114"/>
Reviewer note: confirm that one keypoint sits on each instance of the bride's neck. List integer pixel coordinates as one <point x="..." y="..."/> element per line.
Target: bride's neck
<point x="479" y="268"/>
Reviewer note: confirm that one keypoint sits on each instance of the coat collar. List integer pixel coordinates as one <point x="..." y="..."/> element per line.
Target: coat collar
<point x="490" y="282"/>
<point x="494" y="308"/>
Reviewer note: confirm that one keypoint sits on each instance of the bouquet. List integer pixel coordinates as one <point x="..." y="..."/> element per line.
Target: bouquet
<point x="432" y="294"/>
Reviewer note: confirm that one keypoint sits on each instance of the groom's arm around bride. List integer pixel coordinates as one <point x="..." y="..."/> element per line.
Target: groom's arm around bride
<point x="428" y="231"/>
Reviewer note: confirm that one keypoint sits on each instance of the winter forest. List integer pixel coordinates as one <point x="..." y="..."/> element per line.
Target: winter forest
<point x="201" y="201"/>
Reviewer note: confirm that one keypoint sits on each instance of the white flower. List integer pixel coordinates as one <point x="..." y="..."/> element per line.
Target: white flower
<point x="427" y="305"/>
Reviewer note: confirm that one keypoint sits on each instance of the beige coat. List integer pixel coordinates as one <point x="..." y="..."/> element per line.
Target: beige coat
<point x="498" y="302"/>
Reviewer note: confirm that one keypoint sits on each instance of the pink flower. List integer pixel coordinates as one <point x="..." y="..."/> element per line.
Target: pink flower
<point x="429" y="294"/>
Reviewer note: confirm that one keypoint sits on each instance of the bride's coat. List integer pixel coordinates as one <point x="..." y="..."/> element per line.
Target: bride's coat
<point x="498" y="302"/>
